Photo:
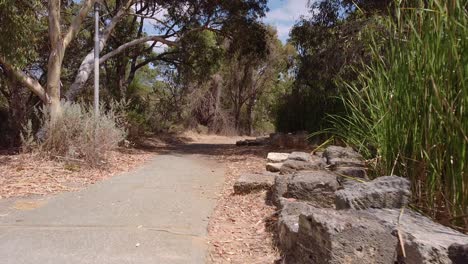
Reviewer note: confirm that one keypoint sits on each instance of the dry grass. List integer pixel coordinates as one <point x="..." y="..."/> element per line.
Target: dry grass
<point x="29" y="174"/>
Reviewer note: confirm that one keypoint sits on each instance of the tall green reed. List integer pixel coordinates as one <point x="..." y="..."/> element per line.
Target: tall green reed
<point x="409" y="107"/>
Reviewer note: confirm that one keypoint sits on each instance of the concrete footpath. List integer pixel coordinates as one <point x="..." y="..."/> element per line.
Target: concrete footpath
<point x="155" y="214"/>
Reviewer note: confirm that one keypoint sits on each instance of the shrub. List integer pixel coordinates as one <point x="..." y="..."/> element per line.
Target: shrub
<point x="78" y="134"/>
<point x="409" y="108"/>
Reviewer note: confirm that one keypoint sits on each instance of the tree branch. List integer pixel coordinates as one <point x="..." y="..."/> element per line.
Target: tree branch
<point x="136" y="42"/>
<point x="77" y="21"/>
<point x="25" y="80"/>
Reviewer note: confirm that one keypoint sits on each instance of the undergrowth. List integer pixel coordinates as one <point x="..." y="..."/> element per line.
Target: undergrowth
<point x="77" y="135"/>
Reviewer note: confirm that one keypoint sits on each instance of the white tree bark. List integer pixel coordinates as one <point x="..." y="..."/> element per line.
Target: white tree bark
<point x="59" y="45"/>
<point x="86" y="67"/>
<point x="27" y="81"/>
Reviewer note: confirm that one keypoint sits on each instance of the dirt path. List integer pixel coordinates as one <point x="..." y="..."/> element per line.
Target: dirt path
<point x="156" y="214"/>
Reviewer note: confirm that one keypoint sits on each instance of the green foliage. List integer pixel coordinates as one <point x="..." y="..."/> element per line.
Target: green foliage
<point x="201" y="55"/>
<point x="21" y="24"/>
<point x="330" y="44"/>
<point x="409" y="107"/>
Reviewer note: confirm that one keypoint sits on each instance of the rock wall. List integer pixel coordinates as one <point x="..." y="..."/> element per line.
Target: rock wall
<point x="329" y="212"/>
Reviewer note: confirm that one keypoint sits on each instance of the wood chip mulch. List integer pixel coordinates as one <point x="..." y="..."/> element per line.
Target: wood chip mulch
<point x="240" y="226"/>
<point x="29" y="174"/>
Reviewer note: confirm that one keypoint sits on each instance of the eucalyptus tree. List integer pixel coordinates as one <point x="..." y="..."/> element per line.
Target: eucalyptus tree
<point x="59" y="40"/>
<point x="171" y="21"/>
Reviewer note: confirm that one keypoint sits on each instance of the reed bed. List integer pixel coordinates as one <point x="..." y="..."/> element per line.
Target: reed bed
<point x="408" y="109"/>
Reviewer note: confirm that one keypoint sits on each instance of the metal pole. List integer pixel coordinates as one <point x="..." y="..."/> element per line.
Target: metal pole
<point x="96" y="59"/>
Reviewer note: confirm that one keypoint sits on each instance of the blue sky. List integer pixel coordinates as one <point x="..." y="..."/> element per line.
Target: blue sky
<point x="284" y="13"/>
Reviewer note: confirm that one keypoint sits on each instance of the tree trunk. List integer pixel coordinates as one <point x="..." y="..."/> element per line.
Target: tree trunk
<point x="86" y="67"/>
<point x="58" y="45"/>
<point x="250" y="115"/>
<point x="54" y="67"/>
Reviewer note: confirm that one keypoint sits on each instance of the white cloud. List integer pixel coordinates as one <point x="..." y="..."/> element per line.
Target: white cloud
<point x="289" y="12"/>
<point x="284" y="16"/>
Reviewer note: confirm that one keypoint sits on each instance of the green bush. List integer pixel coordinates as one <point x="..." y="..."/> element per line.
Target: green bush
<point x="409" y="108"/>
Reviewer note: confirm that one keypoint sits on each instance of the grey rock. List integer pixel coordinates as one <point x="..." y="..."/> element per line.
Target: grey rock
<point x="301" y="156"/>
<point x="254" y="182"/>
<point x="276" y="157"/>
<point x="274" y="167"/>
<point x="458" y="253"/>
<point x="335" y="237"/>
<point x="343" y="157"/>
<point x="355" y="172"/>
<point x="288" y="223"/>
<point x="424" y="240"/>
<point x="335" y="163"/>
<point x="280" y="187"/>
<point x="291" y="166"/>
<point x="333" y="152"/>
<point x="383" y="192"/>
<point x="316" y="186"/>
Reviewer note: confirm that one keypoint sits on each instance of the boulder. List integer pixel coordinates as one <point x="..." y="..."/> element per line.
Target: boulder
<point x="383" y="192"/>
<point x="280" y="187"/>
<point x="424" y="240"/>
<point x="301" y="156"/>
<point x="274" y="167"/>
<point x="276" y="157"/>
<point x="288" y="223"/>
<point x="253" y="182"/>
<point x="342" y="157"/>
<point x="327" y="236"/>
<point x="291" y="166"/>
<point x="316" y="186"/>
<point x="458" y="253"/>
<point x="333" y="152"/>
<point x="355" y="172"/>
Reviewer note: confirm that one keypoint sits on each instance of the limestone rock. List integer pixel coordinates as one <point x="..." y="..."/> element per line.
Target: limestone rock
<point x="301" y="156"/>
<point x="383" y="192"/>
<point x="276" y="157"/>
<point x="343" y="157"/>
<point x="327" y="236"/>
<point x="333" y="152"/>
<point x="288" y="222"/>
<point x="253" y="182"/>
<point x="274" y="167"/>
<point x="290" y="166"/>
<point x="280" y="187"/>
<point x="355" y="172"/>
<point x="424" y="240"/>
<point x="458" y="253"/>
<point x="316" y="186"/>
